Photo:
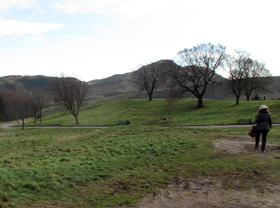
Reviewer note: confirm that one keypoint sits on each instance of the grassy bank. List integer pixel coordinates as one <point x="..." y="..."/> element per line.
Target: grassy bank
<point x="115" y="166"/>
<point x="143" y="112"/>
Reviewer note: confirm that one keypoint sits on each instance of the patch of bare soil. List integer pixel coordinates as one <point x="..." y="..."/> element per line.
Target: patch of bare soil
<point x="209" y="191"/>
<point x="243" y="145"/>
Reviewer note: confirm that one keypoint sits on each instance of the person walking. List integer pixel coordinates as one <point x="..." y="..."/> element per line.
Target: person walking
<point x="264" y="124"/>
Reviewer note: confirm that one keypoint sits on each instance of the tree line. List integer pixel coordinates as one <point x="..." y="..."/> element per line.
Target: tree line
<point x="196" y="68"/>
<point x="19" y="104"/>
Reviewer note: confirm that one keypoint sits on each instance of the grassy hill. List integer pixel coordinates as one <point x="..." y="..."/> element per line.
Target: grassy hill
<point x="143" y="112"/>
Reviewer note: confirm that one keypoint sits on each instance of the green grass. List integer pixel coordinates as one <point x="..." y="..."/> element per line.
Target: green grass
<point x="40" y="165"/>
<point x="119" y="165"/>
<point x="115" y="166"/>
<point x="143" y="112"/>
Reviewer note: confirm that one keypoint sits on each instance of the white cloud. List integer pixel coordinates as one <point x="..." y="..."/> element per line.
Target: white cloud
<point x="17" y="28"/>
<point x="86" y="6"/>
<point x="100" y="28"/>
<point x="7" y="4"/>
<point x="84" y="39"/>
<point x="127" y="8"/>
<point x="38" y="11"/>
<point x="69" y="36"/>
<point x="39" y="38"/>
<point x="36" y="39"/>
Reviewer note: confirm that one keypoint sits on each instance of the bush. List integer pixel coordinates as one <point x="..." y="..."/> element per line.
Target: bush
<point x="256" y="97"/>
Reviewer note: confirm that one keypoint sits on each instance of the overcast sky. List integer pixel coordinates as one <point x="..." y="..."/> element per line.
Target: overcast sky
<point x="94" y="39"/>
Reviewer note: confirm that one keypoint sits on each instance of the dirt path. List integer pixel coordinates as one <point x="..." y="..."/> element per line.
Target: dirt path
<point x="9" y="125"/>
<point x="208" y="191"/>
<point x="5" y="126"/>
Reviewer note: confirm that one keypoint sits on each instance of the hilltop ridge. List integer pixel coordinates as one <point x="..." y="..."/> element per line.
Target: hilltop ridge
<point x="121" y="86"/>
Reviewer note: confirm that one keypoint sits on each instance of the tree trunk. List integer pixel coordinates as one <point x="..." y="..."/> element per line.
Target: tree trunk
<point x="40" y="115"/>
<point x="150" y="97"/>
<point x="236" y="100"/>
<point x="248" y="96"/>
<point x="23" y="124"/>
<point x="200" y="103"/>
<point x="168" y="116"/>
<point x="77" y="121"/>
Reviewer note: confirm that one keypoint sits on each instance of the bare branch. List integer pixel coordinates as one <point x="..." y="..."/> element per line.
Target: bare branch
<point x="150" y="77"/>
<point x="200" y="64"/>
<point x="70" y="93"/>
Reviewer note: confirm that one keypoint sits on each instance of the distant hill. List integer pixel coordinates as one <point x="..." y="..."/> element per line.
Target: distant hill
<point x="121" y="87"/>
<point x="116" y="87"/>
<point x="27" y="82"/>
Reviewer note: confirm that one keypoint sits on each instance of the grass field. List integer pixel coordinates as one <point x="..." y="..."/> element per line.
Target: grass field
<point x="120" y="165"/>
<point x="143" y="112"/>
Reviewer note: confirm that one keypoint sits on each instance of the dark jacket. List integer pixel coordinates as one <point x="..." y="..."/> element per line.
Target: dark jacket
<point x="263" y="120"/>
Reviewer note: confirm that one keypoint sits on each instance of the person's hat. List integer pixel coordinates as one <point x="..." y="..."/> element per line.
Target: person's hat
<point x="263" y="107"/>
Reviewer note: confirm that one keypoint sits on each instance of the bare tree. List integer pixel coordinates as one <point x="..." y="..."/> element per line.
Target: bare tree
<point x="170" y="102"/>
<point x="9" y="113"/>
<point x="18" y="105"/>
<point x="237" y="68"/>
<point x="41" y="100"/>
<point x="70" y="93"/>
<point x="23" y="107"/>
<point x="149" y="77"/>
<point x="255" y="80"/>
<point x="247" y="75"/>
<point x="200" y="65"/>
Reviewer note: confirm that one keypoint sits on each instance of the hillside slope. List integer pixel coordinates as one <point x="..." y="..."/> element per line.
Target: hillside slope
<point x="121" y="87"/>
<point x="116" y="87"/>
